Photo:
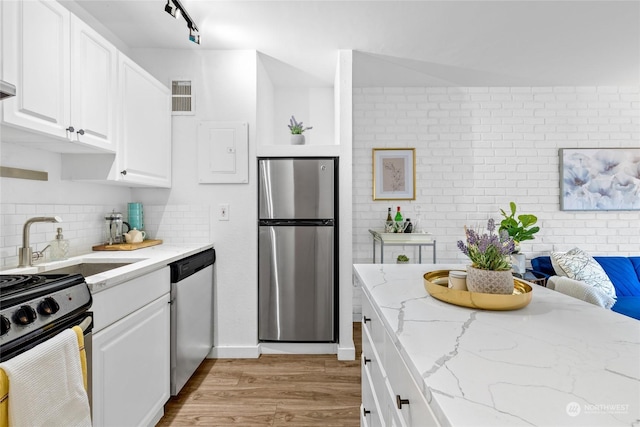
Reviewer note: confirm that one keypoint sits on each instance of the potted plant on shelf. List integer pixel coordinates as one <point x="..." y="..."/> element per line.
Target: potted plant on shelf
<point x="296" y="128"/>
<point x="519" y="229"/>
<point x="402" y="259"/>
<point x="490" y="271"/>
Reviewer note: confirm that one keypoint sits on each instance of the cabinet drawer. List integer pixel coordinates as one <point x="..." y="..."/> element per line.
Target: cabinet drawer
<point x="115" y="303"/>
<point x="416" y="411"/>
<point x="372" y="363"/>
<point x="371" y="414"/>
<point x="372" y="324"/>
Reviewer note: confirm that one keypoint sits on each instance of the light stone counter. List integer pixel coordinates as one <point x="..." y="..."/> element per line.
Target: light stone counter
<point x="143" y="261"/>
<point x="559" y="361"/>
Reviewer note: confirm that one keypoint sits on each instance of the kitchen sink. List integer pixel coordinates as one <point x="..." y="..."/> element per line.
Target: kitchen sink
<point x="88" y="268"/>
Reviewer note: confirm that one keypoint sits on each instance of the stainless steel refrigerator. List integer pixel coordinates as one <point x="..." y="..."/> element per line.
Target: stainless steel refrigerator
<point x="297" y="251"/>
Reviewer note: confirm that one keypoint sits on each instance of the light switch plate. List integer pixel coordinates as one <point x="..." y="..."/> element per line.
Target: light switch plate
<point x="223" y="212"/>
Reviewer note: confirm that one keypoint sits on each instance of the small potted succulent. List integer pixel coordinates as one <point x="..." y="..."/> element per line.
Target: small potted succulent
<point x="402" y="259"/>
<point x="297" y="128"/>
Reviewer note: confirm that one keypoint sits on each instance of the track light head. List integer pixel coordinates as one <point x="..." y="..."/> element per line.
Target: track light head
<point x="194" y="36"/>
<point x="172" y="9"/>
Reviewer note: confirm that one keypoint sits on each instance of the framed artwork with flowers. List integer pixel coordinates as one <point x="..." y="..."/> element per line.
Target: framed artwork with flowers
<point x="394" y="174"/>
<point x="599" y="179"/>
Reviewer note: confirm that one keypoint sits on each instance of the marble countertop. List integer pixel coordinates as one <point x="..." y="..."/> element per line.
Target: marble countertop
<point x="142" y="261"/>
<point x="557" y="361"/>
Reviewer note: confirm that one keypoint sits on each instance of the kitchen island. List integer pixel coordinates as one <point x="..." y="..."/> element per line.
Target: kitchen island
<point x="557" y="361"/>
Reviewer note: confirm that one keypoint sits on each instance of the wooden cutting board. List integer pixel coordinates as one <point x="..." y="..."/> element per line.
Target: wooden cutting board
<point x="127" y="246"/>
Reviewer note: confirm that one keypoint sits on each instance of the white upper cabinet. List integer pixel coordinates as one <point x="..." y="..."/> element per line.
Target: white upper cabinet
<point x="93" y="86"/>
<point x="65" y="78"/>
<point x="143" y="155"/>
<point x="144" y="127"/>
<point x="35" y="38"/>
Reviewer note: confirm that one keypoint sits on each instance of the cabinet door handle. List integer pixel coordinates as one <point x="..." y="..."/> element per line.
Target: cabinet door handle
<point x="71" y="129"/>
<point x="81" y="132"/>
<point x="366" y="319"/>
<point x="124" y="172"/>
<point x="400" y="401"/>
<point x="365" y="412"/>
<point x="366" y="360"/>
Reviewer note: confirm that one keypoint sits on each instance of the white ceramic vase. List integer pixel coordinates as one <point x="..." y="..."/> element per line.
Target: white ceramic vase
<point x="489" y="281"/>
<point x="518" y="263"/>
<point x="297" y="139"/>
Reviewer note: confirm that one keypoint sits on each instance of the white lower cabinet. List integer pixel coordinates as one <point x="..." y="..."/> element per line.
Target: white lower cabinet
<point x="389" y="391"/>
<point x="371" y="414"/>
<point x="131" y="355"/>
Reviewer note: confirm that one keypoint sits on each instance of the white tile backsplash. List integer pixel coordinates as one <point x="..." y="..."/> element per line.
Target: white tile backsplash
<point x="83" y="226"/>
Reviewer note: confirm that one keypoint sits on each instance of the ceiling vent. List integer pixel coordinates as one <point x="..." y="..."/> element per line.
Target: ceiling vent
<point x="182" y="100"/>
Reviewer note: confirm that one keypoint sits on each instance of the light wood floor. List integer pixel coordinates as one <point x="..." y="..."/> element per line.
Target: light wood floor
<point x="273" y="390"/>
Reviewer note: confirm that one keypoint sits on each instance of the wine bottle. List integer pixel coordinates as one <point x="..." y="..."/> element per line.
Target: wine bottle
<point x="388" y="224"/>
<point x="398" y="217"/>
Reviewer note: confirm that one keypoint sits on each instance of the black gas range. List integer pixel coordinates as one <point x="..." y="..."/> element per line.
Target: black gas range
<point x="35" y="307"/>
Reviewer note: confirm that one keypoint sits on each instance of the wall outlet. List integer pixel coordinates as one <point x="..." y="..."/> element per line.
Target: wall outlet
<point x="223" y="212"/>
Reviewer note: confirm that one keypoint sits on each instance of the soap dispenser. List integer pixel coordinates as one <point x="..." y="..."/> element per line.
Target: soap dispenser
<point x="59" y="247"/>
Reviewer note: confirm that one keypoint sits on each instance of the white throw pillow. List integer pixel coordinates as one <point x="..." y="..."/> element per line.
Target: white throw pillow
<point x="580" y="290"/>
<point x="579" y="265"/>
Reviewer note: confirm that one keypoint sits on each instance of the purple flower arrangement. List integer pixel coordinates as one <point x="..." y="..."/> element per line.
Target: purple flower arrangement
<point x="488" y="251"/>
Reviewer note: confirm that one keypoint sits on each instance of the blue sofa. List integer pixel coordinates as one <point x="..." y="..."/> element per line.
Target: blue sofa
<point x="624" y="273"/>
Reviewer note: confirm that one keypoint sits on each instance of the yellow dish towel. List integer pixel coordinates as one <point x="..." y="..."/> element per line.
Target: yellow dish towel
<point x="4" y="380"/>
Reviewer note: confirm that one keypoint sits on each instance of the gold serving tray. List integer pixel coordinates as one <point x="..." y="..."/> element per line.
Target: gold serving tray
<point x="435" y="282"/>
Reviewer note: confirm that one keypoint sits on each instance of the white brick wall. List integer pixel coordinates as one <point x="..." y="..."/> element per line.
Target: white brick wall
<point x="83" y="226"/>
<point x="479" y="148"/>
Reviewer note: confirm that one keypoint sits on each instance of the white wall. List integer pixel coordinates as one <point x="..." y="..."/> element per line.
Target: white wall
<point x="479" y="148"/>
<point x="224" y="83"/>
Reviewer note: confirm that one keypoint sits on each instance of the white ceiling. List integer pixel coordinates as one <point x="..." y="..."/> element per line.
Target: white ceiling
<point x="403" y="42"/>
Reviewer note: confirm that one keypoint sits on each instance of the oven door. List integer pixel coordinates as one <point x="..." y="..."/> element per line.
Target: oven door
<point x="39" y="336"/>
<point x="84" y="320"/>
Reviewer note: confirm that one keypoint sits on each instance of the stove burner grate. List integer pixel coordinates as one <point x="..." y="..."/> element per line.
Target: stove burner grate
<point x="20" y="281"/>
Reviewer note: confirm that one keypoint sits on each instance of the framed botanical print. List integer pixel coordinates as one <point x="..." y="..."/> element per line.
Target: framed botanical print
<point x="394" y="174"/>
<point x="599" y="179"/>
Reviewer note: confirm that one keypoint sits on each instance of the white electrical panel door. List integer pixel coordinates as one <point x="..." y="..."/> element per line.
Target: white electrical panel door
<point x="223" y="153"/>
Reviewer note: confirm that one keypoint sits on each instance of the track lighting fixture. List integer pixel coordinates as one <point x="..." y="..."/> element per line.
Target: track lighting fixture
<point x="175" y="8"/>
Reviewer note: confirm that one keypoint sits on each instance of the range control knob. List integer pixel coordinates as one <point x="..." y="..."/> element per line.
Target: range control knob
<point x="24" y="315"/>
<point x="48" y="306"/>
<point x="5" y="325"/>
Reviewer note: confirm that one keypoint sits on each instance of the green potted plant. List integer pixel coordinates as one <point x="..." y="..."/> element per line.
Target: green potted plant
<point x="490" y="271"/>
<point x="297" y="128"/>
<point x="520" y="228"/>
<point x="402" y="259"/>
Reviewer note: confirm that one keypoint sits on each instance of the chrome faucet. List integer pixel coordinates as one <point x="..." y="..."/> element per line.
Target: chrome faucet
<point x="25" y="253"/>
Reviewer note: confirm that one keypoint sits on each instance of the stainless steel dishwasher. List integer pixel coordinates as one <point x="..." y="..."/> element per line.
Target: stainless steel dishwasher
<point x="191" y="315"/>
